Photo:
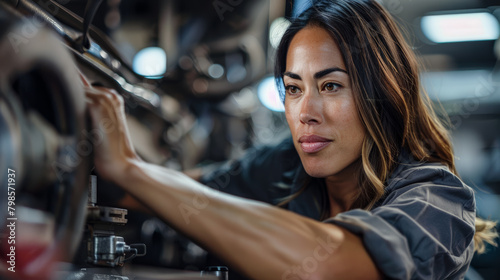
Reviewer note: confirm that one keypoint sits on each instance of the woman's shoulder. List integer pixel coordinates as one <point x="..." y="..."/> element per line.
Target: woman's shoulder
<point x="409" y="170"/>
<point x="421" y="177"/>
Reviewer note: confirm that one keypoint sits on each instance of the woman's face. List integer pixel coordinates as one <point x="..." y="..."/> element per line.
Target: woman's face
<point x="319" y="105"/>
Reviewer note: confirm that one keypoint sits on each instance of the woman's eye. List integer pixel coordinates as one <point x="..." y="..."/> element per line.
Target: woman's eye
<point x="292" y="89"/>
<point x="331" y="86"/>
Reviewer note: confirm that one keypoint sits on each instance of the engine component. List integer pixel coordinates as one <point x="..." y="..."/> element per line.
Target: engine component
<point x="44" y="147"/>
<point x="104" y="248"/>
<point x="221" y="272"/>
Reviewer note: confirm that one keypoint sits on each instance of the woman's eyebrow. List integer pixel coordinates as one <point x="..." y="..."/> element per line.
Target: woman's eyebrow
<point x="317" y="75"/>
<point x="292" y="75"/>
<point x="325" y="72"/>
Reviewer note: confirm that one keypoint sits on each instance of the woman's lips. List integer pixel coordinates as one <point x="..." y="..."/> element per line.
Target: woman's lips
<point x="313" y="143"/>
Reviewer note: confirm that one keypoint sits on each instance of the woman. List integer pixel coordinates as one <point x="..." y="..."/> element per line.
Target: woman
<point x="373" y="152"/>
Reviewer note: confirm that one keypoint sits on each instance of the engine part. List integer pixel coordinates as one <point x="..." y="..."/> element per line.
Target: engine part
<point x="221" y="272"/>
<point x="43" y="143"/>
<point x="104" y="248"/>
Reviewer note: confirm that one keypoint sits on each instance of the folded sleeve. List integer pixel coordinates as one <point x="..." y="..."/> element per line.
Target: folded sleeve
<point x="422" y="229"/>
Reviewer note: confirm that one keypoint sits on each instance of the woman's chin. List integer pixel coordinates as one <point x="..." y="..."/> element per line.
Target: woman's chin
<point x="317" y="172"/>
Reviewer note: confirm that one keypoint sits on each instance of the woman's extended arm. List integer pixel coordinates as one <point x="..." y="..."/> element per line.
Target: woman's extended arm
<point x="263" y="241"/>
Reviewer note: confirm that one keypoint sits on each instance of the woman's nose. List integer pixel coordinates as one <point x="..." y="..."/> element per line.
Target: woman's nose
<point x="311" y="109"/>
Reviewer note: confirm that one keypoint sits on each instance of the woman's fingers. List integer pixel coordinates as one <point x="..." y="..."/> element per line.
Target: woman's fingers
<point x="107" y="111"/>
<point x="93" y="92"/>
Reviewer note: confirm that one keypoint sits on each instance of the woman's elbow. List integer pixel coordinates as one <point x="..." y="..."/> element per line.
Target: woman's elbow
<point x="349" y="261"/>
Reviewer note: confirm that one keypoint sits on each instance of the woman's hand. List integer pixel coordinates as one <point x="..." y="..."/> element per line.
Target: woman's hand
<point x="113" y="149"/>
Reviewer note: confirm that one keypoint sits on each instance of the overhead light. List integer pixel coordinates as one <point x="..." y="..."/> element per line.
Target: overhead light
<point x="150" y="62"/>
<point x="215" y="71"/>
<point x="460" y="27"/>
<point x="276" y="30"/>
<point x="269" y="96"/>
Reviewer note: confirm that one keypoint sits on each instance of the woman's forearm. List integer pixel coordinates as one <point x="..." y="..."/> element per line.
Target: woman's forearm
<point x="263" y="241"/>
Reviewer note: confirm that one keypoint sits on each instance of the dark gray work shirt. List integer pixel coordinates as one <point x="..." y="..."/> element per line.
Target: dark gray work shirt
<point x="422" y="228"/>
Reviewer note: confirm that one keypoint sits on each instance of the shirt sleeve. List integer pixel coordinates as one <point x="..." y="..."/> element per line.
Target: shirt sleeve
<point x="263" y="173"/>
<point x="423" y="229"/>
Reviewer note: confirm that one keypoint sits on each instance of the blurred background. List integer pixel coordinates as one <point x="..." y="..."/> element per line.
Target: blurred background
<point x="206" y="67"/>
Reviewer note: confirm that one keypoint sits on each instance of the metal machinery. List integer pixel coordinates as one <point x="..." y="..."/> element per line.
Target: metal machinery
<point x="42" y="117"/>
<point x="53" y="225"/>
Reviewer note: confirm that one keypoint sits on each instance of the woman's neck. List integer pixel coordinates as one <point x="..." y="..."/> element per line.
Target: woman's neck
<point x="343" y="189"/>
